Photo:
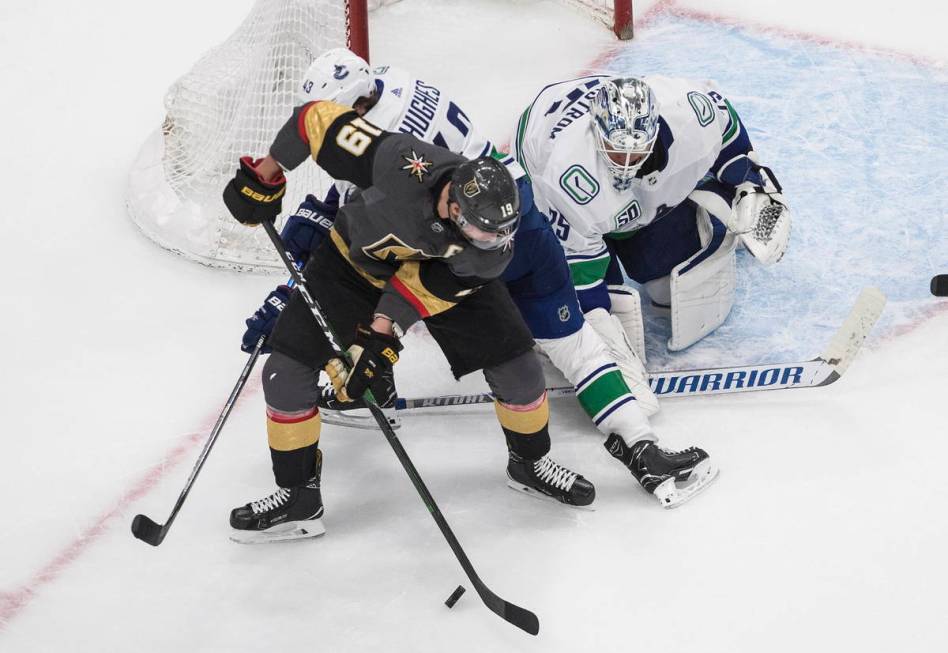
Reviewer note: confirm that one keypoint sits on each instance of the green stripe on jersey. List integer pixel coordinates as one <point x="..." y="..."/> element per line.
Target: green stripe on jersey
<point x="735" y="124"/>
<point x="521" y="131"/>
<point x="602" y="392"/>
<point x="589" y="272"/>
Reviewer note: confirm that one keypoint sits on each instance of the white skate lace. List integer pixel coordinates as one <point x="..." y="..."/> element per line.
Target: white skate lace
<point x="275" y="500"/>
<point x="552" y="473"/>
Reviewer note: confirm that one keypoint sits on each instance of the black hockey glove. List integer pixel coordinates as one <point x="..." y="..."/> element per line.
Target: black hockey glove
<point x="373" y="354"/>
<point x="262" y="321"/>
<point x="250" y="199"/>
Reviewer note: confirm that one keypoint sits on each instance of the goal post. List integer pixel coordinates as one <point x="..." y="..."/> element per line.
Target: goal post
<point x="616" y="14"/>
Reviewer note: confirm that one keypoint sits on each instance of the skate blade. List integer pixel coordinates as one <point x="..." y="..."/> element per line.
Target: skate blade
<point x="294" y="530"/>
<point x="529" y="491"/>
<point x="671" y="495"/>
<point x="360" y="418"/>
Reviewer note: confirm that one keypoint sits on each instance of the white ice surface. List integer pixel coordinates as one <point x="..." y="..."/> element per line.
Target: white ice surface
<point x="826" y="530"/>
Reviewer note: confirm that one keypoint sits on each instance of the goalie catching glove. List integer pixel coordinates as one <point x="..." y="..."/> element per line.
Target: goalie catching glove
<point x="373" y="354"/>
<point x="762" y="216"/>
<point x="252" y="199"/>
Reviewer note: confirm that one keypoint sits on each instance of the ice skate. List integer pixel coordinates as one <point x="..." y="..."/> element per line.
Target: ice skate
<point x="355" y="414"/>
<point x="673" y="477"/>
<point x="547" y="479"/>
<point x="287" y="514"/>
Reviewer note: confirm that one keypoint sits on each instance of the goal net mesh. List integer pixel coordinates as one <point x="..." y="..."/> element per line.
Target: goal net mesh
<point x="231" y="103"/>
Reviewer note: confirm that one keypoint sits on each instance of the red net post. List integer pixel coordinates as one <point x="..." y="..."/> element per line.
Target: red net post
<point x="623" y="19"/>
<point x="357" y="27"/>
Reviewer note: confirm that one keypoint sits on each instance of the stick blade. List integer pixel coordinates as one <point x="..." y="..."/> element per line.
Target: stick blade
<point x="512" y="614"/>
<point x="147" y="531"/>
<point x="521" y="618"/>
<point x="847" y="341"/>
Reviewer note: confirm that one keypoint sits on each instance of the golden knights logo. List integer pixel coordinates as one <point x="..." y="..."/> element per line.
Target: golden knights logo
<point x="417" y="166"/>
<point x="470" y="189"/>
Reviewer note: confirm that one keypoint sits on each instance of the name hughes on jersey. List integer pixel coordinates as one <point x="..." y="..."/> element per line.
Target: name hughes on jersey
<point x="421" y="110"/>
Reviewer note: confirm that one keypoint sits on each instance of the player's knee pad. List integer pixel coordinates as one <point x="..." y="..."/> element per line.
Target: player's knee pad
<point x="288" y="385"/>
<point x="293" y="422"/>
<point x="702" y="287"/>
<point x="610" y="330"/>
<point x="600" y="385"/>
<point x="518" y="381"/>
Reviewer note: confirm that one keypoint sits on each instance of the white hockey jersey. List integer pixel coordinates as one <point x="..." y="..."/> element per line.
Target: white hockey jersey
<point x="572" y="184"/>
<point x="409" y="105"/>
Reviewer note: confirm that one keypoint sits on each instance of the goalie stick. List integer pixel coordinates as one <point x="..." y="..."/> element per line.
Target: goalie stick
<point x="513" y="614"/>
<point x="822" y="370"/>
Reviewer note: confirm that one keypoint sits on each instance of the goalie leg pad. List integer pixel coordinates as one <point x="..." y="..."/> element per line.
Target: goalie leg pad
<point x="583" y="359"/>
<point x="702" y="287"/>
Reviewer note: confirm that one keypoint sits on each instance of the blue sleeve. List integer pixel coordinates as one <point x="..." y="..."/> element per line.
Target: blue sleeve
<point x="733" y="167"/>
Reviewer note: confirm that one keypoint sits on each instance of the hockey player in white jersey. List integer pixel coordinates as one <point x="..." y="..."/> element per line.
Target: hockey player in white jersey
<point x="538" y="277"/>
<point x="657" y="175"/>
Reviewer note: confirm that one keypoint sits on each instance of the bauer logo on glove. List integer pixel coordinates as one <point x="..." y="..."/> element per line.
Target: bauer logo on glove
<point x="252" y="199"/>
<point x="373" y="354"/>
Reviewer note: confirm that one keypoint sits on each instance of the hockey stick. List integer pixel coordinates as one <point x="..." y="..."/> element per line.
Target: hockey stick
<point x="146" y="529"/>
<point x="822" y="370"/>
<point x="519" y="617"/>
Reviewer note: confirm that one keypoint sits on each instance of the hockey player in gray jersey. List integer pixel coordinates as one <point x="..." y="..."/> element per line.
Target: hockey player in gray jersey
<point x="425" y="239"/>
<point x="613" y="392"/>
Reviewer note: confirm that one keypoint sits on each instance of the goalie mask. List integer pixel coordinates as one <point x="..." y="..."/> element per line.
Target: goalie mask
<point x="488" y="200"/>
<point x="337" y="75"/>
<point x="625" y="124"/>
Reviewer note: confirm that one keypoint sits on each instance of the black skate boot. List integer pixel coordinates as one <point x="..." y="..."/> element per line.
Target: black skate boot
<point x="355" y="413"/>
<point x="673" y="477"/>
<point x="287" y="514"/>
<point x="547" y="478"/>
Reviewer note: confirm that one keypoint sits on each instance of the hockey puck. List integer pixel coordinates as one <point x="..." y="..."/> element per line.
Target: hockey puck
<point x="940" y="285"/>
<point x="455" y="595"/>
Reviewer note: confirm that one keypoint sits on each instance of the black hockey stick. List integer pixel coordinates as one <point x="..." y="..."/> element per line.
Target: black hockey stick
<point x="143" y="527"/>
<point x="519" y="617"/>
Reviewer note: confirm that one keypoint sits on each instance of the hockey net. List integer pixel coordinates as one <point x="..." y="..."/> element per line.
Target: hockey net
<point x="231" y="104"/>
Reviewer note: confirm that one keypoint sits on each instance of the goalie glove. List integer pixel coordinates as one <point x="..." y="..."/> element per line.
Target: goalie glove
<point x="373" y="355"/>
<point x="762" y="217"/>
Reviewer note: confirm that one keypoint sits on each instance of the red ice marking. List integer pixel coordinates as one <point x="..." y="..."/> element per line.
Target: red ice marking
<point x="14" y="601"/>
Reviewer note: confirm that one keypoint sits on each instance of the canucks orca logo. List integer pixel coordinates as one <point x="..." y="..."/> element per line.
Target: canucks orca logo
<point x="702" y="107"/>
<point x="340" y="72"/>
